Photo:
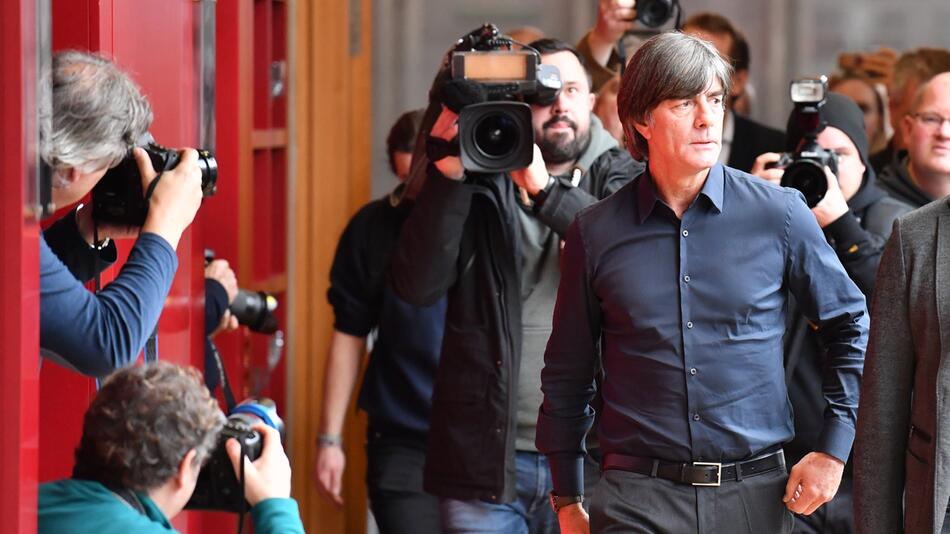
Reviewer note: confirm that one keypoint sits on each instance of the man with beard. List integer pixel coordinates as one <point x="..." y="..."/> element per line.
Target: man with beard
<point x="491" y="243"/>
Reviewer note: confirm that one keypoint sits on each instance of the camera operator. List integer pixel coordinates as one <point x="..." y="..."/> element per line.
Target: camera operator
<point x="145" y="438"/>
<point x="97" y="114"/>
<point x="471" y="236"/>
<point x="856" y="217"/>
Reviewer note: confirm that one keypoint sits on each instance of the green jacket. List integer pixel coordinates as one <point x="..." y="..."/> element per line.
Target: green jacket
<point x="87" y="507"/>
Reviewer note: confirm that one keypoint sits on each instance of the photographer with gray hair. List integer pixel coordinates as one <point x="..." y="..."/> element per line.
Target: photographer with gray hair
<point x="144" y="440"/>
<point x="93" y="117"/>
<point x="678" y="286"/>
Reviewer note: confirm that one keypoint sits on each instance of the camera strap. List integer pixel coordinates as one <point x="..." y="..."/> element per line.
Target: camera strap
<point x="151" y="345"/>
<point x="225" y="385"/>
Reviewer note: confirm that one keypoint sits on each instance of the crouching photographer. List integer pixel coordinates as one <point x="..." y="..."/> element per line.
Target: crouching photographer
<point x="145" y="438"/>
<point x="94" y="138"/>
<point x="830" y="167"/>
<point x="485" y="230"/>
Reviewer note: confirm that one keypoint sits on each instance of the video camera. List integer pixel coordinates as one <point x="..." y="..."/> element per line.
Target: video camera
<point x="118" y="197"/>
<point x="253" y="309"/>
<point x="805" y="169"/>
<point x="218" y="488"/>
<point x="496" y="135"/>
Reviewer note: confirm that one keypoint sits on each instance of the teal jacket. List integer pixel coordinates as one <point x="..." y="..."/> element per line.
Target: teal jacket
<point x="87" y="507"/>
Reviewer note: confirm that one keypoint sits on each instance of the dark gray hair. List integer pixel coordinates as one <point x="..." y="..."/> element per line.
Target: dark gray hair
<point x="669" y="66"/>
<point x="92" y="113"/>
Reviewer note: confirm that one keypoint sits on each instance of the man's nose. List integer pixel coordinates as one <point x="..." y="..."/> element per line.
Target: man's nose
<point x="704" y="114"/>
<point x="560" y="103"/>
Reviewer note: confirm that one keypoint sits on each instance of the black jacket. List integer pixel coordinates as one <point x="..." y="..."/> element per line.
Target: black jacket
<point x="895" y="180"/>
<point x="858" y="237"/>
<point x="751" y="139"/>
<point x="462" y="238"/>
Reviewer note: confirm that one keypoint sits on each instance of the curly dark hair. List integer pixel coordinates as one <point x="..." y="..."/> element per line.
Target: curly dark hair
<point x="143" y="422"/>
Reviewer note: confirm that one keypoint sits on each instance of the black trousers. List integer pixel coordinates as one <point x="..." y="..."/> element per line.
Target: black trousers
<point x="628" y="503"/>
<point x="394" y="480"/>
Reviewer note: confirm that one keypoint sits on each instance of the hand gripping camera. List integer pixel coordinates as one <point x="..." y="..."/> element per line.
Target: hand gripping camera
<point x="218" y="488"/>
<point x="805" y="169"/>
<point x="497" y="135"/>
<point x="118" y="198"/>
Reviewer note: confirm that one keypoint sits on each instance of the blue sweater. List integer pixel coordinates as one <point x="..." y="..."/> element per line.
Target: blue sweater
<point x="88" y="507"/>
<point x="98" y="333"/>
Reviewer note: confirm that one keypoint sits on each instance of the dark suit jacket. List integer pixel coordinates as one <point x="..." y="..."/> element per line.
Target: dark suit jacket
<point x="904" y="411"/>
<point x="749" y="140"/>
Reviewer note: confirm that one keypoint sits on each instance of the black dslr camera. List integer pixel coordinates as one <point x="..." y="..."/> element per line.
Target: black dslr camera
<point x="655" y="13"/>
<point x="497" y="135"/>
<point x="217" y="487"/>
<point x="805" y="169"/>
<point x="118" y="197"/>
<point x="253" y="309"/>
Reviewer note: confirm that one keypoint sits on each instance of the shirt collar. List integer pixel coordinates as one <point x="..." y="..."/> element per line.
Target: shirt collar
<point x="647" y="198"/>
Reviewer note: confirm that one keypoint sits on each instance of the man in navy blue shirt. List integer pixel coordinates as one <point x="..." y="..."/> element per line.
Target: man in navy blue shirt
<point x="96" y="112"/>
<point x="678" y="285"/>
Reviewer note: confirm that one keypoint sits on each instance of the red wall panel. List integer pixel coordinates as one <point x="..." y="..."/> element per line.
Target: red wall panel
<point x="19" y="273"/>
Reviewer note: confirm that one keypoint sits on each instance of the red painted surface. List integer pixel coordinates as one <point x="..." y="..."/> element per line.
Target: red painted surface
<point x="160" y="56"/>
<point x="19" y="275"/>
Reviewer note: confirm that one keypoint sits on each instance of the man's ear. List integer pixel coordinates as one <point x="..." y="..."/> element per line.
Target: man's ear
<point x="187" y="469"/>
<point x="906" y="125"/>
<point x="642" y="128"/>
<point x="593" y="100"/>
<point x="71" y="174"/>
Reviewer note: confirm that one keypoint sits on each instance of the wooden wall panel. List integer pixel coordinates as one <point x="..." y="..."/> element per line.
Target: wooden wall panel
<point x="330" y="178"/>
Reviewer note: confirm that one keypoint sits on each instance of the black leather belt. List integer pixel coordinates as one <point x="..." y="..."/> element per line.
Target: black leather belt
<point x="696" y="473"/>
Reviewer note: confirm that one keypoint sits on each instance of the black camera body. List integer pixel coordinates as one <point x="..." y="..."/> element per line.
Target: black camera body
<point x="253" y="309"/>
<point x="805" y="168"/>
<point x="118" y="198"/>
<point x="655" y="13"/>
<point x="497" y="135"/>
<point x="218" y="488"/>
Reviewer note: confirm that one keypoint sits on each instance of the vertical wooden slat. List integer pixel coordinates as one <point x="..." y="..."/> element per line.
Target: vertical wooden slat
<point x="329" y="179"/>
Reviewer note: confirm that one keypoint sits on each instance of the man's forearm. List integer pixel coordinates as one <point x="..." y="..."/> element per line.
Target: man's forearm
<point x="342" y="370"/>
<point x="424" y="262"/>
<point x="99" y="333"/>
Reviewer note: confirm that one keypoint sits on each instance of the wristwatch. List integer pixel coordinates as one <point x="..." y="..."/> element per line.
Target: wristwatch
<point x="560" y="501"/>
<point x="542" y="194"/>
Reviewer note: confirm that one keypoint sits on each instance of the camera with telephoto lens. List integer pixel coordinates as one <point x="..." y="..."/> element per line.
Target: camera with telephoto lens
<point x="655" y="13"/>
<point x="805" y="169"/>
<point x="118" y="198"/>
<point x="253" y="309"/>
<point x="218" y="488"/>
<point x="497" y="135"/>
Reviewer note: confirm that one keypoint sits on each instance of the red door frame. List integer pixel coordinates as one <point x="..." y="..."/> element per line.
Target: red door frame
<point x="19" y="270"/>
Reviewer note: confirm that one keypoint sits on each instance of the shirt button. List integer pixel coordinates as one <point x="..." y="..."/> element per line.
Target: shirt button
<point x="498" y="363"/>
<point x="689" y="324"/>
<point x="695" y="417"/>
<point x="693" y="371"/>
<point x="686" y="278"/>
<point x="685" y="233"/>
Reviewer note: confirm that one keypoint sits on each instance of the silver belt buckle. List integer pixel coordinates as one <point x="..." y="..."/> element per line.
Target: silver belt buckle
<point x="718" y="466"/>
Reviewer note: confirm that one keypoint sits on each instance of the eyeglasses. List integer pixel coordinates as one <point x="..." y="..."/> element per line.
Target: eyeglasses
<point x="931" y="121"/>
